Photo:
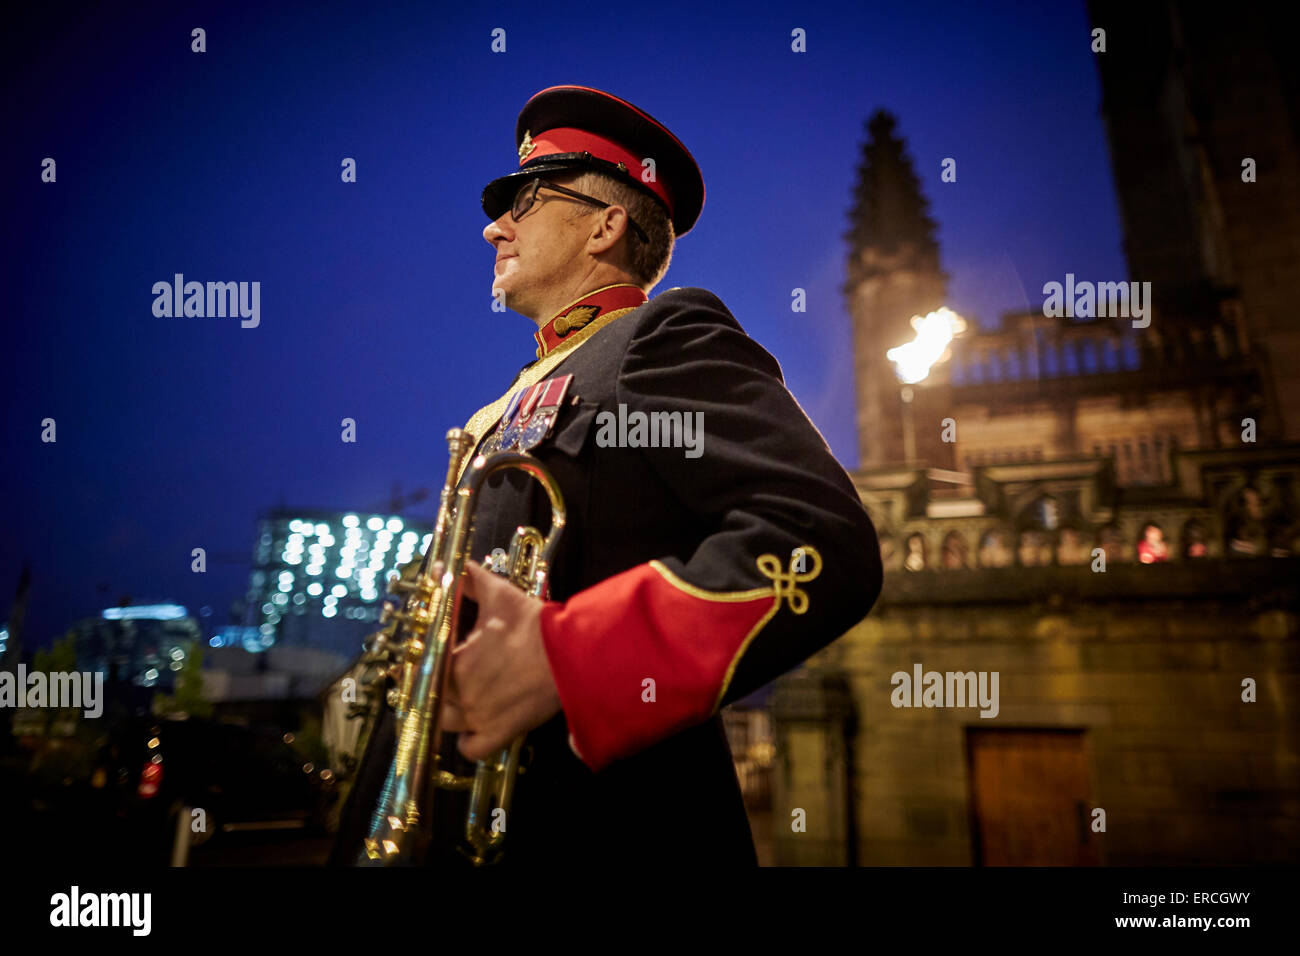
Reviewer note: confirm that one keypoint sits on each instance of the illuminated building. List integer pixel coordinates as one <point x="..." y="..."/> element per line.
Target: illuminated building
<point x="319" y="578"/>
<point x="143" y="644"/>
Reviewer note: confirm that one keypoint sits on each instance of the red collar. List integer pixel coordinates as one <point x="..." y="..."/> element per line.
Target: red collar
<point x="577" y="314"/>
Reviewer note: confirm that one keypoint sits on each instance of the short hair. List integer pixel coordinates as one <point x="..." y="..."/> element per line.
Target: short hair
<point x="646" y="261"/>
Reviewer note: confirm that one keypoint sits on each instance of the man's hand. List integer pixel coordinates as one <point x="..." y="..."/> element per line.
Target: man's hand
<point x="501" y="684"/>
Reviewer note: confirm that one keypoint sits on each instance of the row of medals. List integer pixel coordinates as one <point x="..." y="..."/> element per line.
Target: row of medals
<point x="520" y="436"/>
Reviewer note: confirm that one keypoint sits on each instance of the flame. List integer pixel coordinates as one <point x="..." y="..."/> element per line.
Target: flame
<point x="934" y="332"/>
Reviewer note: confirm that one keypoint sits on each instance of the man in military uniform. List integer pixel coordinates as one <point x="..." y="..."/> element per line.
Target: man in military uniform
<point x="713" y="542"/>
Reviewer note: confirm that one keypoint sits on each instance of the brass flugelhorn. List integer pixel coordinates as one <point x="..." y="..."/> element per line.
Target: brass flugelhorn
<point x="418" y="647"/>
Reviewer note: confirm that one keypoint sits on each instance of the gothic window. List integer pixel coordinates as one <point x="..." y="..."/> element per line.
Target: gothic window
<point x="1073" y="548"/>
<point x="954" y="552"/>
<point x="914" y="560"/>
<point x="1110" y="541"/>
<point x="1012" y="364"/>
<point x="1046" y="513"/>
<point x="1051" y="361"/>
<point x="1284" y="526"/>
<point x="1151" y="546"/>
<point x="888" y="552"/>
<point x="995" y="551"/>
<point x="957" y="370"/>
<point x="1245" y="524"/>
<point x="993" y="373"/>
<point x="1070" y="360"/>
<point x="1130" y="354"/>
<point x="1284" y="540"/>
<point x="1221" y="347"/>
<point x="1089" y="352"/>
<point x="1109" y="355"/>
<point x="1035" y="549"/>
<point x="1194" y="539"/>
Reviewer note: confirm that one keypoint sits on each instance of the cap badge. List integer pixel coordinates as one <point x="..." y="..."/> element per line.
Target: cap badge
<point x="526" y="146"/>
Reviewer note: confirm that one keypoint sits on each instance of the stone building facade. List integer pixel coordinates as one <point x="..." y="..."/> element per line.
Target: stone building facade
<point x="1120" y="690"/>
<point x="1104" y="517"/>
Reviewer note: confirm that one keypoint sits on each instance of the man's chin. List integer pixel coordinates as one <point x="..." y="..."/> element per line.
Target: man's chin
<point x="509" y="299"/>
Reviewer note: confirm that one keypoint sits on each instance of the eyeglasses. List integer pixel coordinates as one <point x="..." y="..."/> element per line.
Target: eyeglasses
<point x="527" y="196"/>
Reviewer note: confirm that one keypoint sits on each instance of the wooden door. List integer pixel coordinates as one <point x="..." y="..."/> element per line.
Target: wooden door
<point x="1030" y="798"/>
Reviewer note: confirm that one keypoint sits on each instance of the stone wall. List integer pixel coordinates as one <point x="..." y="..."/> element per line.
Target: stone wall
<point x="1186" y="772"/>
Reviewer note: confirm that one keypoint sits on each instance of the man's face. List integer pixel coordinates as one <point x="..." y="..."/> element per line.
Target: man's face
<point x="537" y="256"/>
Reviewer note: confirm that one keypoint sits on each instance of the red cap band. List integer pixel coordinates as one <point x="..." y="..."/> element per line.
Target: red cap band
<point x="569" y="140"/>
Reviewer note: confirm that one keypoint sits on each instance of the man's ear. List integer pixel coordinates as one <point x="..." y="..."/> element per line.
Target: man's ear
<point x="605" y="224"/>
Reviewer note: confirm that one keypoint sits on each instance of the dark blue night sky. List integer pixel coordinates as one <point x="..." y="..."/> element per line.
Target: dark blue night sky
<point x="174" y="433"/>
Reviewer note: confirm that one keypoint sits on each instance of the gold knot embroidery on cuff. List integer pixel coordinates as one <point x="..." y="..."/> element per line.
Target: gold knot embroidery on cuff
<point x="784" y="582"/>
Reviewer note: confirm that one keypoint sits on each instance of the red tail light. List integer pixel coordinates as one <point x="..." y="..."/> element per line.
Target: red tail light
<point x="150" y="780"/>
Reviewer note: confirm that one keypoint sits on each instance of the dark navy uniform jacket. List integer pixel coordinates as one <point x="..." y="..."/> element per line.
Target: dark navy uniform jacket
<point x="686" y="577"/>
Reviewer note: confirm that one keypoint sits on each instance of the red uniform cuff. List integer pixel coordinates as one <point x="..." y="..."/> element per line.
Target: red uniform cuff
<point x="643" y="655"/>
